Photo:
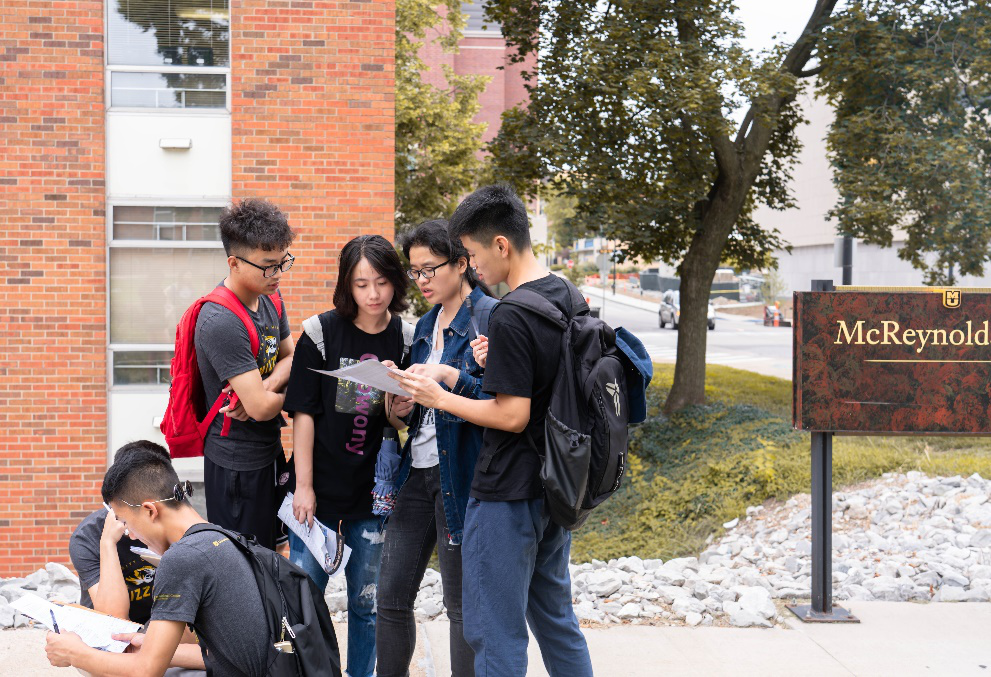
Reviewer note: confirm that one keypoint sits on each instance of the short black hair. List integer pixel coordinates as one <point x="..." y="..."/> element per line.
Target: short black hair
<point x="491" y="211"/>
<point x="435" y="236"/>
<point x="142" y="471"/>
<point x="254" y="224"/>
<point x="384" y="259"/>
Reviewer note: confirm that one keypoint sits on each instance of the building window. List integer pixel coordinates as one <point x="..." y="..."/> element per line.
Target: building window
<point x="168" y="53"/>
<point x="162" y="259"/>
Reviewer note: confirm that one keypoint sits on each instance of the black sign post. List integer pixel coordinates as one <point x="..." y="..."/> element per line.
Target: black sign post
<point x="822" y="610"/>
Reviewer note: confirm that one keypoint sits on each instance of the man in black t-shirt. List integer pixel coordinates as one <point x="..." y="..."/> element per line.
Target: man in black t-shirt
<point x="245" y="473"/>
<point x="515" y="559"/>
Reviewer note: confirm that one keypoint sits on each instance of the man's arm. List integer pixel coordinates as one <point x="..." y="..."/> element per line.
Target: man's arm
<point x="258" y="401"/>
<point x="151" y="660"/>
<point x="110" y="594"/>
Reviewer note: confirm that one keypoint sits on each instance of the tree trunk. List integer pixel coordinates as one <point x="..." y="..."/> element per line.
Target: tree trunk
<point x="697" y="271"/>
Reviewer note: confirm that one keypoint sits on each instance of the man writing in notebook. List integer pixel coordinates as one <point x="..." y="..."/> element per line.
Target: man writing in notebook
<point x="515" y="559"/>
<point x="202" y="580"/>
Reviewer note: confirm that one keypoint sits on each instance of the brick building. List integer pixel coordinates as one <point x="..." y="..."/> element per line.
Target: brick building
<point x="125" y="126"/>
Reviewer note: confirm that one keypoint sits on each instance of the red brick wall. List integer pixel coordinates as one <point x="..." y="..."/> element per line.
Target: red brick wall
<point x="313" y="124"/>
<point x="313" y="128"/>
<point x="53" y="394"/>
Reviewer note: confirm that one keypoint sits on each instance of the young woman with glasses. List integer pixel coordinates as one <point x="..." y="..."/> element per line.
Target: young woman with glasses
<point x="439" y="458"/>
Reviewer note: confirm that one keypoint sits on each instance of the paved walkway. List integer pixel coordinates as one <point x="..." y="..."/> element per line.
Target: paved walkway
<point x="894" y="638"/>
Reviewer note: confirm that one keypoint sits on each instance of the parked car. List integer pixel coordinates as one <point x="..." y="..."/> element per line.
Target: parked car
<point x="669" y="311"/>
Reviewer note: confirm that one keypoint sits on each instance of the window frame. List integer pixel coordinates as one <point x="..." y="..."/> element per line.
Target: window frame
<point x="110" y="69"/>
<point x="112" y="244"/>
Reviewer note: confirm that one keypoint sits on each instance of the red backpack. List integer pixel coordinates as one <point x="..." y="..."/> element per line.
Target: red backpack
<point x="184" y="432"/>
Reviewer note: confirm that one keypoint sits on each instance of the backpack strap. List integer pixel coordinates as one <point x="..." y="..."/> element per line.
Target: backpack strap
<point x="313" y="328"/>
<point x="408" y="332"/>
<point x="479" y="313"/>
<point x="537" y="304"/>
<point x="225" y="297"/>
<point x="276" y="300"/>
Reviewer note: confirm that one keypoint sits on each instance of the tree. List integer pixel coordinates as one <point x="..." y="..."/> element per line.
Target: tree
<point x="633" y="115"/>
<point x="437" y="143"/>
<point x="911" y="139"/>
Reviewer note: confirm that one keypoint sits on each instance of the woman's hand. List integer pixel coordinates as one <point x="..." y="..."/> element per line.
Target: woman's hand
<point x="401" y="405"/>
<point x="423" y="389"/>
<point x="442" y="373"/>
<point x="304" y="505"/>
<point x="480" y="349"/>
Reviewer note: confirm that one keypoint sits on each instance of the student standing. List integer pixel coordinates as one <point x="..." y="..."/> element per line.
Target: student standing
<point x="245" y="472"/>
<point x="439" y="457"/>
<point x="515" y="559"/>
<point x="337" y="427"/>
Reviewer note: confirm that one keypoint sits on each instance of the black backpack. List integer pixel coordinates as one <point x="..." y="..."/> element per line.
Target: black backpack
<point x="586" y="426"/>
<point x="295" y="609"/>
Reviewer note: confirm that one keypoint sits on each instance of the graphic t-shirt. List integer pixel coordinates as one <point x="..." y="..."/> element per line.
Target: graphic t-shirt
<point x="348" y="417"/>
<point x="523" y="360"/>
<point x="424" y="447"/>
<point x="223" y="351"/>
<point x="205" y="580"/>
<point x="139" y="575"/>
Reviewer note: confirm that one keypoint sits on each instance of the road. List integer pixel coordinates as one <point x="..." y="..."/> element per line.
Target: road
<point x="738" y="342"/>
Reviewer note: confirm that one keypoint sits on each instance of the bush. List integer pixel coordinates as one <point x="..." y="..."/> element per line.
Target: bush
<point x="690" y="473"/>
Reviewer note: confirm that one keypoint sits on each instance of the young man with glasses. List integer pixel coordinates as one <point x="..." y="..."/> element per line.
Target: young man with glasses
<point x="245" y="471"/>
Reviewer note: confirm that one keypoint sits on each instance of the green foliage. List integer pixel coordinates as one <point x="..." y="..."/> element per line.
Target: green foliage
<point x="437" y="142"/>
<point x="911" y="140"/>
<point x="632" y="100"/>
<point x="690" y="473"/>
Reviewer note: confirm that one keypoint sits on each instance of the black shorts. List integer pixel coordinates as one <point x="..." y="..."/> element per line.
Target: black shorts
<point x="248" y="501"/>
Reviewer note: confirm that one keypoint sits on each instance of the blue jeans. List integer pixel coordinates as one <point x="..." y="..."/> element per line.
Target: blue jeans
<point x="365" y="538"/>
<point x="515" y="563"/>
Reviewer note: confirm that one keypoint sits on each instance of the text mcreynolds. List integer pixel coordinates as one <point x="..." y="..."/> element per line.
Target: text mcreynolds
<point x="891" y="333"/>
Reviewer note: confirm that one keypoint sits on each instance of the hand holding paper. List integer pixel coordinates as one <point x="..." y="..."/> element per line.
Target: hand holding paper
<point x="93" y="628"/>
<point x="320" y="540"/>
<point x="370" y="373"/>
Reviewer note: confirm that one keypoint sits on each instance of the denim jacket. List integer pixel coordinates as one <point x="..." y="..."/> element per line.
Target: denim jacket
<point x="458" y="442"/>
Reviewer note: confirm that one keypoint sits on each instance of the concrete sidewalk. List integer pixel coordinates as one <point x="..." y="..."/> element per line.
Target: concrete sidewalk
<point x="894" y="638"/>
<point x="651" y="304"/>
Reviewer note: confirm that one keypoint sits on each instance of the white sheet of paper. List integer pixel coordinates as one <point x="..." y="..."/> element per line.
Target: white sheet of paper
<point x="147" y="555"/>
<point x="320" y="540"/>
<point x="93" y="628"/>
<point x="370" y="373"/>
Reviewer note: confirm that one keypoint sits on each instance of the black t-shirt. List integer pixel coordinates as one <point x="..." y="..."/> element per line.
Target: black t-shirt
<point x="139" y="575"/>
<point x="348" y="417"/>
<point x="524" y="357"/>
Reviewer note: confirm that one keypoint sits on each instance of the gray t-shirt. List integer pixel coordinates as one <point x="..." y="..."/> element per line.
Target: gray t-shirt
<point x="205" y="580"/>
<point x="223" y="351"/>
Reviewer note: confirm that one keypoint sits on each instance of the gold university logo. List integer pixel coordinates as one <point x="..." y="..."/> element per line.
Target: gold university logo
<point x="951" y="298"/>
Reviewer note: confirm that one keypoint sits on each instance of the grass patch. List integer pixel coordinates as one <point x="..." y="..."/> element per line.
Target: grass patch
<point x="703" y="466"/>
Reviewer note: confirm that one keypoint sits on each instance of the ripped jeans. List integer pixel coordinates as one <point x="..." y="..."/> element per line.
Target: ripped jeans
<point x="365" y="538"/>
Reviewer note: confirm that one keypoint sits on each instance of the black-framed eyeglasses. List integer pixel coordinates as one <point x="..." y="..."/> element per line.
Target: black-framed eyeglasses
<point x="179" y="492"/>
<point x="427" y="271"/>
<point x="270" y="271"/>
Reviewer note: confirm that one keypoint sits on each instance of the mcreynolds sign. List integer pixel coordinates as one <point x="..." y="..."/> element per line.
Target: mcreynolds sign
<point x="893" y="360"/>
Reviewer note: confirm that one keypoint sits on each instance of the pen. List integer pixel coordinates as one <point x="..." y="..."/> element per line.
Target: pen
<point x="54" y="622"/>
